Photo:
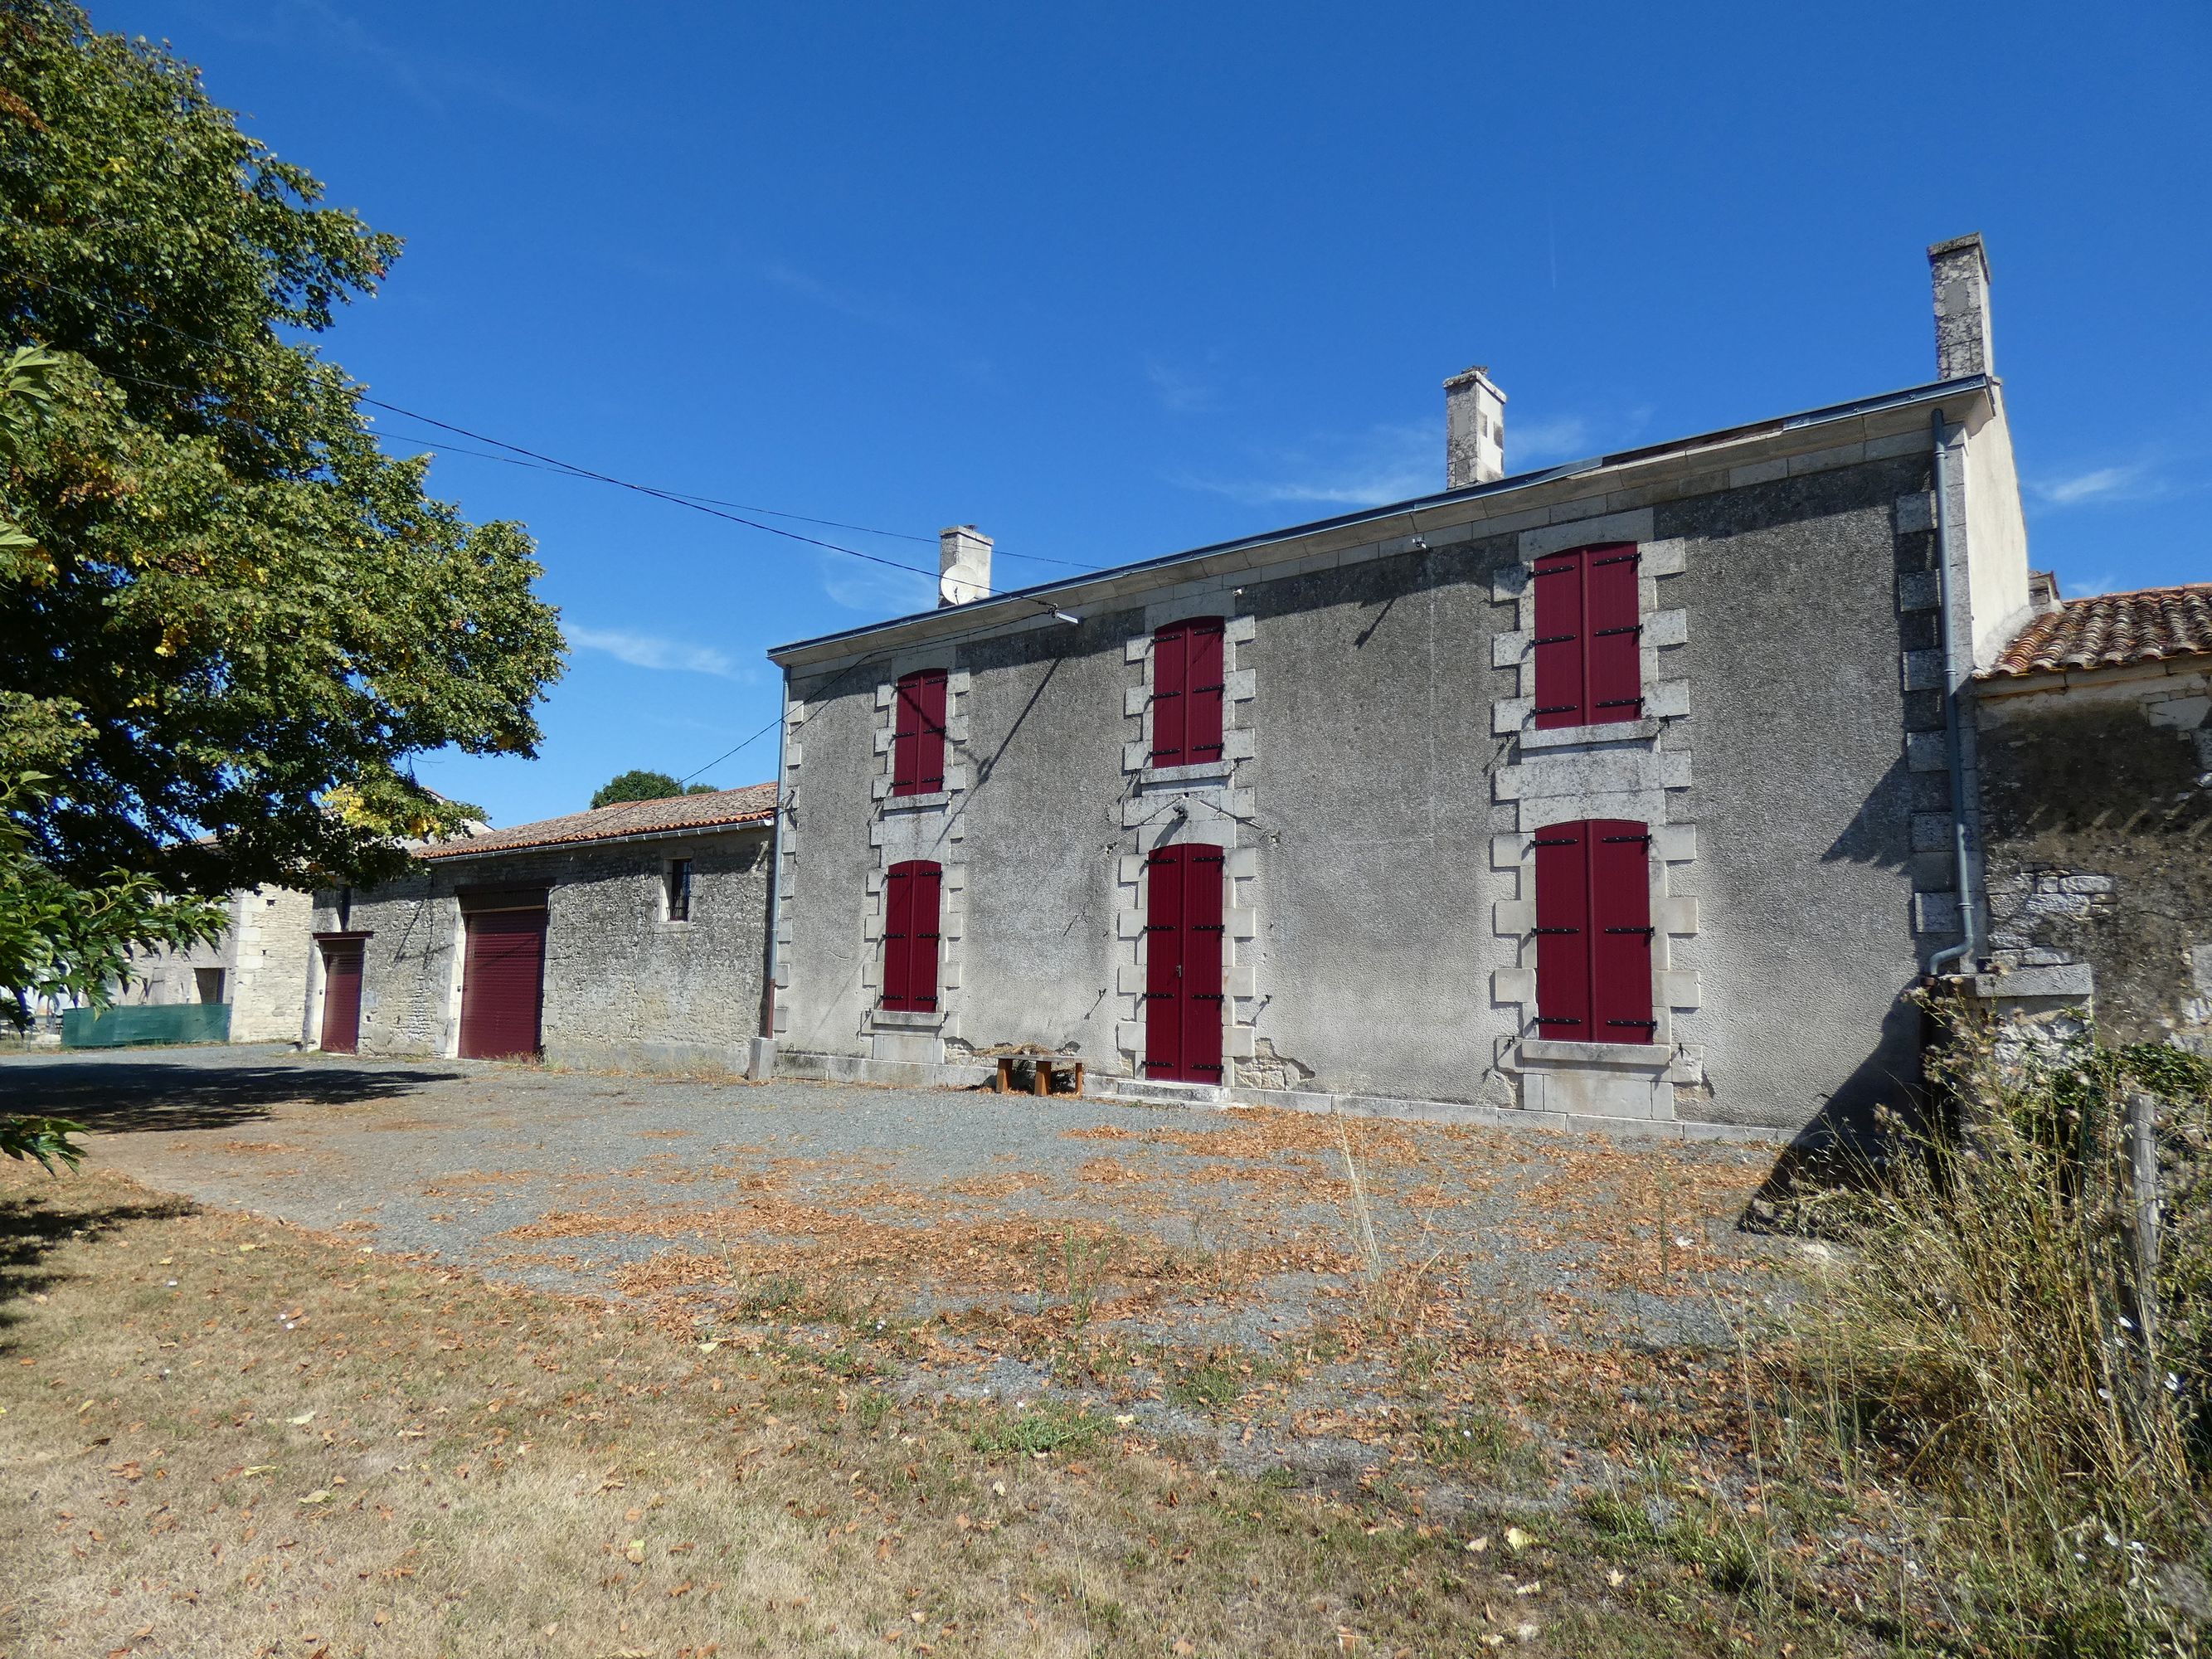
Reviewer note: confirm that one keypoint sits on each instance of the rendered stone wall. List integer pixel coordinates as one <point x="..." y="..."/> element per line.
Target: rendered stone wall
<point x="625" y="988"/>
<point x="2098" y="802"/>
<point x="1380" y="790"/>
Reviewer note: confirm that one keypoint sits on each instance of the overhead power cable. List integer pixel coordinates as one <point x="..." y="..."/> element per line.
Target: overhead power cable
<point x="711" y="506"/>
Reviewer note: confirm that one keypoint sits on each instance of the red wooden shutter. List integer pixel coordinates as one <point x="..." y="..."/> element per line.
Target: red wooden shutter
<point x="1188" y="684"/>
<point x="1170" y="693"/>
<point x="1594" y="931"/>
<point x="918" y="734"/>
<point x="1560" y="641"/>
<point x="1614" y="656"/>
<point x="503" y="984"/>
<point x="1590" y="665"/>
<point x="1621" y="932"/>
<point x="341" y="999"/>
<point x="1563" y="932"/>
<point x="1184" y="935"/>
<point x="911" y="895"/>
<point x="1204" y="688"/>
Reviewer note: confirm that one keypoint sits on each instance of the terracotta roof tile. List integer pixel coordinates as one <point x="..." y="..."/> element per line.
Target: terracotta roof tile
<point x="723" y="809"/>
<point x="2112" y="630"/>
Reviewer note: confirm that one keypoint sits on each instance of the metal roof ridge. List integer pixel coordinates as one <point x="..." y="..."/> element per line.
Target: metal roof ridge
<point x="1904" y="398"/>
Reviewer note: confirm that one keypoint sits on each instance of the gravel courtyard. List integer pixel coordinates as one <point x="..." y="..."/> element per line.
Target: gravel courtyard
<point x="1299" y="1289"/>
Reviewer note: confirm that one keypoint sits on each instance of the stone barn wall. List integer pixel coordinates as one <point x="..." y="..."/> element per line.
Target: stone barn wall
<point x="625" y="988"/>
<point x="2097" y="813"/>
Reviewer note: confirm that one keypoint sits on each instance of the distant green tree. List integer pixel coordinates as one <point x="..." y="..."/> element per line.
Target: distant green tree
<point x="644" y="786"/>
<point x="228" y="620"/>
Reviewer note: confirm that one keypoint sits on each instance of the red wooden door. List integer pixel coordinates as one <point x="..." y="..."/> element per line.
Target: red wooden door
<point x="1594" y="931"/>
<point x="1183" y="982"/>
<point x="342" y="998"/>
<point x="503" y="984"/>
<point x="912" y="899"/>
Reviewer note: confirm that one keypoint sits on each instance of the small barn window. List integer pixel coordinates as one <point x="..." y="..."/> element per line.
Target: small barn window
<point x="1188" y="686"/>
<point x="1590" y="659"/>
<point x="918" y="734"/>
<point x="1594" y="931"/>
<point x="678" y="879"/>
<point x="911" y="895"/>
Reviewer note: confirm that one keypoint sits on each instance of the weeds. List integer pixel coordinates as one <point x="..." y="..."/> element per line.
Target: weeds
<point x="1981" y="1335"/>
<point x="1050" y="1426"/>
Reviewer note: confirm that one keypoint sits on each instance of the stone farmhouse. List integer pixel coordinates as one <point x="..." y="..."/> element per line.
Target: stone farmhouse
<point x="1638" y="792"/>
<point x="629" y="937"/>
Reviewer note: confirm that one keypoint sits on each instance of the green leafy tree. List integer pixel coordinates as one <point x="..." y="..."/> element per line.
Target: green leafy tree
<point x="644" y="786"/>
<point x="223" y="608"/>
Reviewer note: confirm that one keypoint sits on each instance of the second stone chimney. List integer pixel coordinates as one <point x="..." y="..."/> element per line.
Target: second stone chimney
<point x="964" y="564"/>
<point x="1958" y="270"/>
<point x="1474" y="430"/>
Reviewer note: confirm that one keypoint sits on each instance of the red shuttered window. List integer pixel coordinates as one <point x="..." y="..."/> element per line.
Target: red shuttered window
<point x="1188" y="686"/>
<point x="1589" y="662"/>
<point x="911" y="893"/>
<point x="1594" y="931"/>
<point x="918" y="734"/>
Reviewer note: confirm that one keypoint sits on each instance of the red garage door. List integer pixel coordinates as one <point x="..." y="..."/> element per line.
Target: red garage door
<point x="341" y="998"/>
<point x="503" y="984"/>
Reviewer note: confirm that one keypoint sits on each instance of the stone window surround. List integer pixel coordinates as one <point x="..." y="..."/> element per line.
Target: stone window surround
<point x="1611" y="769"/>
<point x="1236" y="736"/>
<point x="1199" y="803"/>
<point x="928" y="827"/>
<point x="957" y="684"/>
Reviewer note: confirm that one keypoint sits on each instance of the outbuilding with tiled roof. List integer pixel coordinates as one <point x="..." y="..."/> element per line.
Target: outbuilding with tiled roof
<point x="628" y="937"/>
<point x="2112" y="630"/>
<point x="2095" y="728"/>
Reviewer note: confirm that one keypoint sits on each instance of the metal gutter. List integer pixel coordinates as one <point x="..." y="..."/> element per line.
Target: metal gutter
<point x="1061" y="586"/>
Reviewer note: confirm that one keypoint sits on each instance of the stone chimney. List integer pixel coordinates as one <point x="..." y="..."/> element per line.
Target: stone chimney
<point x="964" y="564"/>
<point x="1474" y="430"/>
<point x="1960" y="271"/>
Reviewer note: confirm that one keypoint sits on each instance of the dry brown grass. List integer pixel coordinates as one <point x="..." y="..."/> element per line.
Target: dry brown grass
<point x="298" y="1446"/>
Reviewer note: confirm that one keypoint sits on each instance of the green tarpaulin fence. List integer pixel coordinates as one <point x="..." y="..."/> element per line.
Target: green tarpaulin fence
<point x="125" y="1028"/>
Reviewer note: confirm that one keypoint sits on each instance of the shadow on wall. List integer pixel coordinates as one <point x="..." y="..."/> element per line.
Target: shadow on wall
<point x="1844" y="1142"/>
<point x="125" y="1097"/>
<point x="1880" y="831"/>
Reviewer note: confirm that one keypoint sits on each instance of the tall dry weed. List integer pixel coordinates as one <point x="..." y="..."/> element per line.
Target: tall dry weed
<point x="1982" y="1329"/>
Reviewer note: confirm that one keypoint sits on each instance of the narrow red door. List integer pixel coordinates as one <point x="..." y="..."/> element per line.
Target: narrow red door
<point x="1183" y="933"/>
<point x="342" y="998"/>
<point x="503" y="984"/>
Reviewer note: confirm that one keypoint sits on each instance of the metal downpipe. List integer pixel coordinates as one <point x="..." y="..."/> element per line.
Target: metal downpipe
<point x="1969" y="947"/>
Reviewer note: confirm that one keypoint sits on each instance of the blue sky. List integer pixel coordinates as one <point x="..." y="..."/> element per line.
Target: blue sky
<point x="1112" y="281"/>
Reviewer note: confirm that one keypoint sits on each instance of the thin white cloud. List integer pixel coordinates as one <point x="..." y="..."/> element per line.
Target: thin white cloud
<point x="2104" y="483"/>
<point x="1532" y="443"/>
<point x="1386" y="463"/>
<point x="1179" y="391"/>
<point x="876" y="590"/>
<point x="650" y="650"/>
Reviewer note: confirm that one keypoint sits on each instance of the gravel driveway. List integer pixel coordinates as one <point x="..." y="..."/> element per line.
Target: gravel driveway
<point x="992" y="1231"/>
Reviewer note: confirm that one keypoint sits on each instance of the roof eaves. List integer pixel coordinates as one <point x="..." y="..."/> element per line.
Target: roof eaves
<point x="450" y="850"/>
<point x="1011" y="600"/>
